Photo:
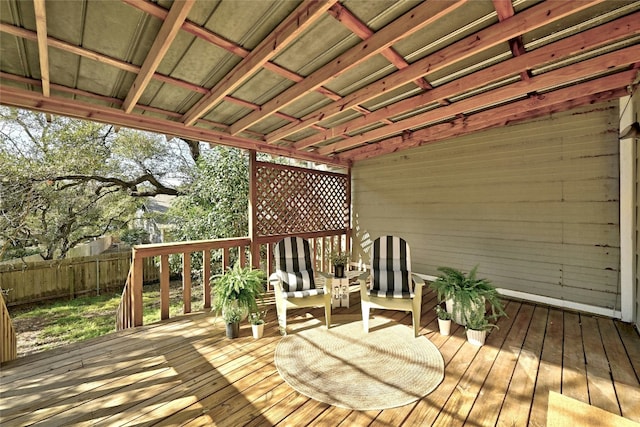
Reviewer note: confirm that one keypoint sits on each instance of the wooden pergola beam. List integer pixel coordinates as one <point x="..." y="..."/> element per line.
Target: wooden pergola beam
<point x="598" y="90"/>
<point x="621" y="58"/>
<point x="422" y="15"/>
<point x="591" y="39"/>
<point x="43" y="49"/>
<point x="28" y="99"/>
<point x="360" y="29"/>
<point x="297" y="22"/>
<point x="168" y="32"/>
<point x="528" y="20"/>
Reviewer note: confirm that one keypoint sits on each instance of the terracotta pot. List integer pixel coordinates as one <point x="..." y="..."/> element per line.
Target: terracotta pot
<point x="445" y="326"/>
<point x="257" y="330"/>
<point x="476" y="337"/>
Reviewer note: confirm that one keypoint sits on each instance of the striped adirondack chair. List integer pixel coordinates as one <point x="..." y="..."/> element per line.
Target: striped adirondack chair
<point x="294" y="280"/>
<point x="392" y="285"/>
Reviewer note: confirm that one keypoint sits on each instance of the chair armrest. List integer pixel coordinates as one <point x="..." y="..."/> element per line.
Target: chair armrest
<point x="364" y="275"/>
<point x="419" y="281"/>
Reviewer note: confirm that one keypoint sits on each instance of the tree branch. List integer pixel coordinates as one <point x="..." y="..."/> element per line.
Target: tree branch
<point x="131" y="186"/>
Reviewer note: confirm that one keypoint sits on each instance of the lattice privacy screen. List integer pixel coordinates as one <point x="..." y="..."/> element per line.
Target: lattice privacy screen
<point x="292" y="200"/>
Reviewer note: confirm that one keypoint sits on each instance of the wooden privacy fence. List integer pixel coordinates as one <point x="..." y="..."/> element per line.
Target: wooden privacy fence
<point x="41" y="280"/>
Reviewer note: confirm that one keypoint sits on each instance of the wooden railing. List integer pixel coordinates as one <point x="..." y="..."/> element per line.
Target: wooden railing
<point x="8" y="345"/>
<point x="131" y="308"/>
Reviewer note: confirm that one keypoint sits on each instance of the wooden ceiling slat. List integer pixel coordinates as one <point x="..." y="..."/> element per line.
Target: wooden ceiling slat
<point x="168" y="32"/>
<point x="530" y="19"/>
<point x="43" y="49"/>
<point x="594" y="38"/>
<point x="580" y="70"/>
<point x="412" y="21"/>
<point x="301" y="19"/>
<point x="598" y="90"/>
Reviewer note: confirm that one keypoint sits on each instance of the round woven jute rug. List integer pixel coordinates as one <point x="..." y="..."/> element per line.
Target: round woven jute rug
<point x="345" y="367"/>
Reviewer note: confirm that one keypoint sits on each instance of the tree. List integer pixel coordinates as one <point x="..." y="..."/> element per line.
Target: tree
<point x="63" y="181"/>
<point x="215" y="205"/>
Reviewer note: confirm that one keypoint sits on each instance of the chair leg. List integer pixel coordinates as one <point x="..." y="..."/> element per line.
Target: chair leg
<point x="365" y="315"/>
<point x="282" y="319"/>
<point x="415" y="315"/>
<point x="327" y="314"/>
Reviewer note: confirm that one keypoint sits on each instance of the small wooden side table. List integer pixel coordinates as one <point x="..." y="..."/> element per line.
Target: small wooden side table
<point x="339" y="292"/>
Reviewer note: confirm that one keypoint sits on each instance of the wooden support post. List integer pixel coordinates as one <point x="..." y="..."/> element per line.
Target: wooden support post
<point x="253" y="232"/>
<point x="164" y="286"/>
<point x="348" y="215"/>
<point x="206" y="277"/>
<point x="136" y="288"/>
<point x="186" y="282"/>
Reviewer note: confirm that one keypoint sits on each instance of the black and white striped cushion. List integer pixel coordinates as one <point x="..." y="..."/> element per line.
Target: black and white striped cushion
<point x="295" y="268"/>
<point x="391" y="268"/>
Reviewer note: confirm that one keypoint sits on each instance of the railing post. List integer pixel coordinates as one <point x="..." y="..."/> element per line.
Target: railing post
<point x="136" y="288"/>
<point x="186" y="282"/>
<point x="206" y="277"/>
<point x="164" y="286"/>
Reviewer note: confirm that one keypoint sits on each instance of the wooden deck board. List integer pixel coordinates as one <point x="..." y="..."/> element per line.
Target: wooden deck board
<point x="549" y="369"/>
<point x="601" y="390"/>
<point x="491" y="396"/>
<point x="185" y="372"/>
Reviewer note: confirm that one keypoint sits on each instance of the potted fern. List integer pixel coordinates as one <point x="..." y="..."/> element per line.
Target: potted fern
<point x="444" y="320"/>
<point x="232" y="316"/>
<point x="466" y="294"/>
<point x="239" y="287"/>
<point x="477" y="327"/>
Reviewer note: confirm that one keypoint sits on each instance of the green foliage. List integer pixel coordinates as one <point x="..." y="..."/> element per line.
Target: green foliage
<point x="467" y="292"/>
<point x="232" y="314"/>
<point x="442" y="313"/>
<point x="339" y="258"/>
<point x="478" y="322"/>
<point x="11" y="252"/>
<point x="257" y="317"/>
<point x="64" y="181"/>
<point x="239" y="287"/>
<point x="134" y="236"/>
<point x="216" y="205"/>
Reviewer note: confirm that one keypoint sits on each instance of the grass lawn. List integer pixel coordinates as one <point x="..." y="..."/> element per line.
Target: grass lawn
<point x="52" y="324"/>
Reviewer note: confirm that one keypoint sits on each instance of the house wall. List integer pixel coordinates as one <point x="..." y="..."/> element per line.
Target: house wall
<point x="536" y="205"/>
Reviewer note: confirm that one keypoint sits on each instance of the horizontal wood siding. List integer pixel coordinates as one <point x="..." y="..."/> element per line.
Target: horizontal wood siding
<point x="536" y="205"/>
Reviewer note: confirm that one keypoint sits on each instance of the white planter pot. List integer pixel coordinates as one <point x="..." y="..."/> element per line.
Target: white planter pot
<point x="445" y="326"/>
<point x="476" y="337"/>
<point x="457" y="314"/>
<point x="257" y="330"/>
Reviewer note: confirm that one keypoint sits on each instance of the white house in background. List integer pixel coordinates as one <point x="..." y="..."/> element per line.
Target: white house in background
<point x="151" y="217"/>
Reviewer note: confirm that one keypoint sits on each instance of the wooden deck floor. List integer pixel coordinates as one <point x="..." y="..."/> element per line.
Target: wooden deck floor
<point x="185" y="372"/>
